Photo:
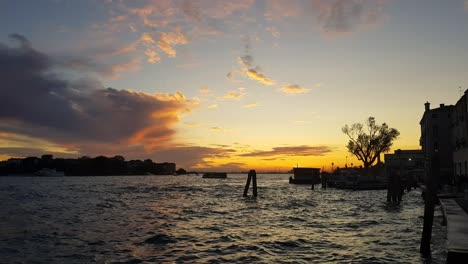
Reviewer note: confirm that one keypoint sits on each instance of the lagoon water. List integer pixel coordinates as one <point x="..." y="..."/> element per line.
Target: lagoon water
<point x="187" y="219"/>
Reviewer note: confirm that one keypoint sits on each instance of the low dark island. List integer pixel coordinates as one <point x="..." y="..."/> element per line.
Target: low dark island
<point x="86" y="166"/>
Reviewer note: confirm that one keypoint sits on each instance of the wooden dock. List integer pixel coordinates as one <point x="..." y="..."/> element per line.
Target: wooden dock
<point x="457" y="230"/>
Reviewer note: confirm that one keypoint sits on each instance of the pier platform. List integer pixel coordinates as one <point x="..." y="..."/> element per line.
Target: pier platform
<point x="457" y="230"/>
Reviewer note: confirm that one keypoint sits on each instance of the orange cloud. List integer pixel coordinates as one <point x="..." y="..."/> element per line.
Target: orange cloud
<point x="164" y="41"/>
<point x="235" y="95"/>
<point x="152" y="55"/>
<point x="255" y="75"/>
<point x="167" y="40"/>
<point x="146" y="38"/>
<point x="213" y="106"/>
<point x="250" y="105"/>
<point x="294" y="89"/>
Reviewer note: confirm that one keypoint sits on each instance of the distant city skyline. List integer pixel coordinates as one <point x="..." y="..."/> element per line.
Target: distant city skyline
<point x="223" y="85"/>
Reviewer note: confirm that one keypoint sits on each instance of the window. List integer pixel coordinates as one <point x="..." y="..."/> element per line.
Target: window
<point x="435" y="131"/>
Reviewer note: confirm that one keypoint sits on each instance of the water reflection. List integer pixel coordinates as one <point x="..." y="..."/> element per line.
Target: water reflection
<point x="190" y="219"/>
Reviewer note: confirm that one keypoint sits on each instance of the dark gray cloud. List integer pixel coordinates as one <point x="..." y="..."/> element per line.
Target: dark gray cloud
<point x="291" y="151"/>
<point x="33" y="152"/>
<point x="191" y="156"/>
<point x="345" y="16"/>
<point x="37" y="102"/>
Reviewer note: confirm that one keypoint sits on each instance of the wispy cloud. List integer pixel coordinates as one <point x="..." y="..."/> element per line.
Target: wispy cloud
<point x="234" y="94"/>
<point x="333" y="17"/>
<point x="126" y="66"/>
<point x="162" y="42"/>
<point x="146" y="38"/>
<point x="168" y="40"/>
<point x="293" y="89"/>
<point x="255" y="75"/>
<point x="194" y="124"/>
<point x="274" y="32"/>
<point x="217" y="129"/>
<point x="204" y="90"/>
<point x="152" y="55"/>
<point x="170" y="23"/>
<point x="250" y="105"/>
<point x="124" y="49"/>
<point x="246" y="63"/>
<point x="291" y="151"/>
<point x="118" y="18"/>
<point x="345" y="16"/>
<point x="190" y="157"/>
<point x="212" y="106"/>
<point x="279" y="9"/>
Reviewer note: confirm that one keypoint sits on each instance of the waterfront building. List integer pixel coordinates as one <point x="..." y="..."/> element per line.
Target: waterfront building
<point x="460" y="140"/>
<point x="165" y="168"/>
<point x="436" y="137"/>
<point x="407" y="163"/>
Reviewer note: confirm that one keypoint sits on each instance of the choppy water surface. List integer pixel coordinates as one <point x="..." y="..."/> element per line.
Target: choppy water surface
<point x="188" y="219"/>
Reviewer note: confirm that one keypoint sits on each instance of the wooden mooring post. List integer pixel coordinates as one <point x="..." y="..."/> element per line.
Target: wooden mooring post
<point x="251" y="177"/>
<point x="429" y="203"/>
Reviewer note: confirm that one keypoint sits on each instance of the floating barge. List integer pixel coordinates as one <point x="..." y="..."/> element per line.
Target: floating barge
<point x="305" y="176"/>
<point x="215" y="175"/>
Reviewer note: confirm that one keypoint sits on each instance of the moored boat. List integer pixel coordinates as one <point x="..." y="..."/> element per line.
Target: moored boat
<point x="46" y="172"/>
<point x="213" y="175"/>
<point x="305" y="176"/>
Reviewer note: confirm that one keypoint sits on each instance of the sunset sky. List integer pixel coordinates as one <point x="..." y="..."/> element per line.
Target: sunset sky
<point x="223" y="85"/>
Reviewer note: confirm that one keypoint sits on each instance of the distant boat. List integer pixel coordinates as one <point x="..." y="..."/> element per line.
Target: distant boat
<point x="305" y="176"/>
<point x="218" y="175"/>
<point x="49" y="173"/>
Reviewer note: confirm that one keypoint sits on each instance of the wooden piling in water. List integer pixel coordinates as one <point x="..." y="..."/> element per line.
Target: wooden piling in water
<point x="429" y="203"/>
<point x="251" y="177"/>
<point x="254" y="179"/>
<point x="247" y="184"/>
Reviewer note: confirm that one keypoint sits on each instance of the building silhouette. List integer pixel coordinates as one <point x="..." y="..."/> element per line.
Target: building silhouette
<point x="460" y="140"/>
<point x="407" y="163"/>
<point x="436" y="137"/>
